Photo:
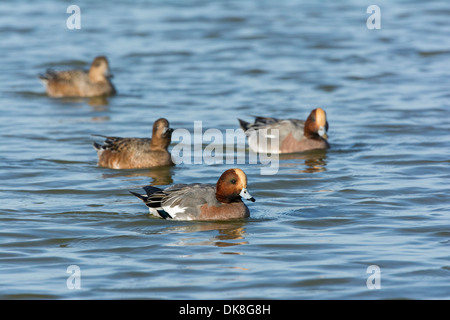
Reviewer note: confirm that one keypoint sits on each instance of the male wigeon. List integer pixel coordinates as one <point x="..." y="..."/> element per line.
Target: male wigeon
<point x="293" y="135"/>
<point x="135" y="153"/>
<point x="201" y="201"/>
<point x="80" y="83"/>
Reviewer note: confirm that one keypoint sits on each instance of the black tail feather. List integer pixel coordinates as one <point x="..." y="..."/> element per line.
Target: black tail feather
<point x="142" y="197"/>
<point x="96" y="146"/>
<point x="151" y="190"/>
<point x="155" y="204"/>
<point x="244" y="124"/>
<point x="49" y="74"/>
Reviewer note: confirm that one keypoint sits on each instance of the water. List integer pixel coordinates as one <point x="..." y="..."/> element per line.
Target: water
<point x="378" y="197"/>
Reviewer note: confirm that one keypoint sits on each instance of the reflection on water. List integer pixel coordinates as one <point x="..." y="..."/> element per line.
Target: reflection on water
<point x="229" y="234"/>
<point x="160" y="176"/>
<point x="100" y="119"/>
<point x="98" y="103"/>
<point x="314" y="161"/>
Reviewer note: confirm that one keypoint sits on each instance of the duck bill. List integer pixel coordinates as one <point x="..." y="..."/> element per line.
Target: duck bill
<point x="108" y="74"/>
<point x="167" y="132"/>
<point x="246" y="195"/>
<point x="323" y="133"/>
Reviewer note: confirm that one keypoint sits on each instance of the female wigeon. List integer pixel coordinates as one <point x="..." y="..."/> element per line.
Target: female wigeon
<point x="293" y="135"/>
<point x="135" y="153"/>
<point x="201" y="201"/>
<point x="80" y="83"/>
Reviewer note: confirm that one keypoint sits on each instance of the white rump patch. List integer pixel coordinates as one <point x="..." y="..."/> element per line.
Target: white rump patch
<point x="173" y="211"/>
<point x="154" y="212"/>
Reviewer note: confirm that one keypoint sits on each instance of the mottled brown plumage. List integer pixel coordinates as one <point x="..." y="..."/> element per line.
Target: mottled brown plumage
<point x="135" y="153"/>
<point x="80" y="83"/>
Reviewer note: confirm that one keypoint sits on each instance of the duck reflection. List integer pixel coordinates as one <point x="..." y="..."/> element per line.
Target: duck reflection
<point x="98" y="103"/>
<point x="160" y="176"/>
<point x="229" y="234"/>
<point x="314" y="161"/>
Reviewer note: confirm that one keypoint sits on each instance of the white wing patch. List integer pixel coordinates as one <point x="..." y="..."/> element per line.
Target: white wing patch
<point x="173" y="211"/>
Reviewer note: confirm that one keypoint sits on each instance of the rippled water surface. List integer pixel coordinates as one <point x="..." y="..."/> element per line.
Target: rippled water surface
<point x="379" y="196"/>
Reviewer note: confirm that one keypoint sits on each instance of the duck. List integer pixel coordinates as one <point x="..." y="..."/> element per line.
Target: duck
<point x="199" y="201"/>
<point x="137" y="153"/>
<point x="80" y="83"/>
<point x="293" y="135"/>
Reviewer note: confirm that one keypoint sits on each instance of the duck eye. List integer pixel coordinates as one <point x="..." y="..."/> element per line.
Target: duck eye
<point x="233" y="181"/>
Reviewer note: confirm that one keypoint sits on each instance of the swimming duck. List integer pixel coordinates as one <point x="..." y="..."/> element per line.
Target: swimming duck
<point x="80" y="83"/>
<point x="135" y="153"/>
<point x="293" y="135"/>
<point x="197" y="201"/>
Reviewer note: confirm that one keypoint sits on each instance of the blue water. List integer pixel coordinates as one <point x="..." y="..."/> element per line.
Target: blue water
<point x="379" y="196"/>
